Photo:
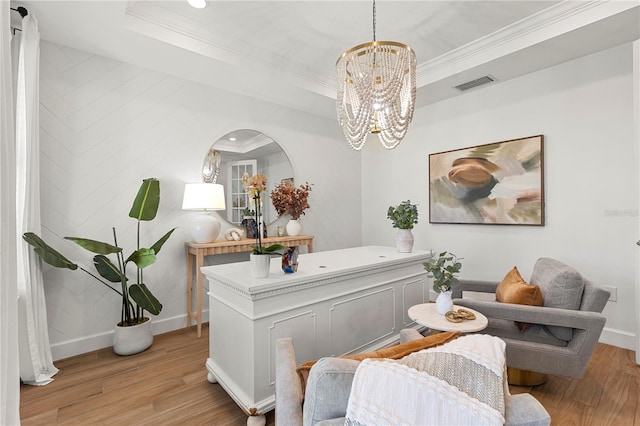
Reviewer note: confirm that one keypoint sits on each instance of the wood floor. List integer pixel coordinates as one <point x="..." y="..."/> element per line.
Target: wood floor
<point x="167" y="385"/>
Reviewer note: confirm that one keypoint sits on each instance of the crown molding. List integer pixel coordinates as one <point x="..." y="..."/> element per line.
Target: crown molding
<point x="163" y="25"/>
<point x="542" y="26"/>
<point x="151" y="20"/>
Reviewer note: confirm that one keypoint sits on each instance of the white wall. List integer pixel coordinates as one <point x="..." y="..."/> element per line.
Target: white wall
<point x="584" y="109"/>
<point x="106" y="125"/>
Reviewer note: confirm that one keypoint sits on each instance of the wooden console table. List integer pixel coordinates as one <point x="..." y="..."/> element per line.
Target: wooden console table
<point x="196" y="252"/>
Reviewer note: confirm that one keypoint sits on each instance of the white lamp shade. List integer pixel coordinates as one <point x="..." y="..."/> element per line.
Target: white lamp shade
<point x="203" y="196"/>
<point x="204" y="228"/>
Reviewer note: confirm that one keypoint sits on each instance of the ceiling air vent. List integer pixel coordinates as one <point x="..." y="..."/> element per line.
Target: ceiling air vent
<point x="474" y="83"/>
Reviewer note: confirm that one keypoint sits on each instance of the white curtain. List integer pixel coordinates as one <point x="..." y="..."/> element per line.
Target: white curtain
<point x="36" y="362"/>
<point x="9" y="378"/>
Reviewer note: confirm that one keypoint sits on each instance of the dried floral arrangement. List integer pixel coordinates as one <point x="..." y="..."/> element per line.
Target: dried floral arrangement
<point x="288" y="199"/>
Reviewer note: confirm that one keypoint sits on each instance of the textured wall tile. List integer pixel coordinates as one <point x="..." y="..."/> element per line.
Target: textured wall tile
<point x="106" y="125"/>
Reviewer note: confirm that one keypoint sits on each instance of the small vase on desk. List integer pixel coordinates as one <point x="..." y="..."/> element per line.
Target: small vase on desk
<point x="444" y="303"/>
<point x="404" y="240"/>
<point x="290" y="260"/>
<point x="293" y="227"/>
<point x="260" y="265"/>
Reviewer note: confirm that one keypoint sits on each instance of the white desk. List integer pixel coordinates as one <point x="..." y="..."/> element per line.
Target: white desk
<point x="425" y="314"/>
<point x="197" y="251"/>
<point x="339" y="302"/>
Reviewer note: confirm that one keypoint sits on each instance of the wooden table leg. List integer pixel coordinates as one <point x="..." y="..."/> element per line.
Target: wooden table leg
<point x="199" y="264"/>
<point x="189" y="287"/>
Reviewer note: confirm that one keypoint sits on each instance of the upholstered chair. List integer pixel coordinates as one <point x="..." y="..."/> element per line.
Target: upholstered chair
<point x="326" y="394"/>
<point x="556" y="338"/>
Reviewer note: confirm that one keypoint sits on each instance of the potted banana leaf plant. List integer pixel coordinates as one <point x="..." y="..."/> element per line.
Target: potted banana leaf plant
<point x="133" y="333"/>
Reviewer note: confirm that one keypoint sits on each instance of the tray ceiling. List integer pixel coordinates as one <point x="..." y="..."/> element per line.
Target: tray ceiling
<point x="285" y="51"/>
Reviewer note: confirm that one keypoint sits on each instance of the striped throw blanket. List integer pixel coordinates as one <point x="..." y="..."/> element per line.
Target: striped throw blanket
<point x="463" y="382"/>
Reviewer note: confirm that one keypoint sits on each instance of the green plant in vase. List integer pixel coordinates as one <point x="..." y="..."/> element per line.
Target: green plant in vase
<point x="443" y="270"/>
<point x="403" y="217"/>
<point x="135" y="295"/>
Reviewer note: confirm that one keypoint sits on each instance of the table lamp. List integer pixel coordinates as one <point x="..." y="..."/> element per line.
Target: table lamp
<point x="204" y="228"/>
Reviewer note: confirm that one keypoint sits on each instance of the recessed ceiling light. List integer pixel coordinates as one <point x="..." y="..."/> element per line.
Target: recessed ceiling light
<point x="232" y="139"/>
<point x="198" y="4"/>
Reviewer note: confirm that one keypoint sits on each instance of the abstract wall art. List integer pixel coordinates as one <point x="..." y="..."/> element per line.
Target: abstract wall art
<point x="499" y="183"/>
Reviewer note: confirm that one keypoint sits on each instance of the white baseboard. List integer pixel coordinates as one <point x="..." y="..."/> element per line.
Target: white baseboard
<point x="618" y="338"/>
<point x="609" y="336"/>
<point x="75" y="347"/>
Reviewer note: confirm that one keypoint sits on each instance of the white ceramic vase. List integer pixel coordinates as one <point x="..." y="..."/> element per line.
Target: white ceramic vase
<point x="132" y="339"/>
<point x="444" y="303"/>
<point x="260" y="265"/>
<point x="293" y="227"/>
<point x="404" y="240"/>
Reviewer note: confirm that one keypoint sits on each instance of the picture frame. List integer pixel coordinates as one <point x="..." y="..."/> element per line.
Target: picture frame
<point x="500" y="183"/>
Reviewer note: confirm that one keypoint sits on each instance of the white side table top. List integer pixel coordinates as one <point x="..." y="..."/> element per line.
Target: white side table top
<point x="425" y="314"/>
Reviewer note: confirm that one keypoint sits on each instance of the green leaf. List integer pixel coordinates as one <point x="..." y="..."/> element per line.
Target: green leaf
<point x="142" y="257"/>
<point x="94" y="246"/>
<point x="275" y="249"/>
<point x="143" y="297"/>
<point x="107" y="270"/>
<point x="145" y="206"/>
<point x="158" y="245"/>
<point x="47" y="253"/>
<point x="272" y="249"/>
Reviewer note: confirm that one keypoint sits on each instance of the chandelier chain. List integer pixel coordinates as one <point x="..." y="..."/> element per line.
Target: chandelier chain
<point x="374" y="20"/>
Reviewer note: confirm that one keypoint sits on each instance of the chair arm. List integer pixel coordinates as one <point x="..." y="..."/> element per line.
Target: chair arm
<point x="288" y="387"/>
<point x="585" y="320"/>
<point x="524" y="410"/>
<point x="474" y="285"/>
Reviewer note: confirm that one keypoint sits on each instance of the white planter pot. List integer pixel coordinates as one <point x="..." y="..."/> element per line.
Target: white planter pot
<point x="444" y="303"/>
<point x="260" y="265"/>
<point x="133" y="339"/>
<point x="404" y="240"/>
<point x="293" y="227"/>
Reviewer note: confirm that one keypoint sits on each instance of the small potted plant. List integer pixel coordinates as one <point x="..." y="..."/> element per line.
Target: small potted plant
<point x="291" y="200"/>
<point x="133" y="333"/>
<point x="443" y="270"/>
<point x="260" y="257"/>
<point x="403" y="217"/>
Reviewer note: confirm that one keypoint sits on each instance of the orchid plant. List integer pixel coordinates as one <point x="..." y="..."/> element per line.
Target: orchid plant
<point x="255" y="186"/>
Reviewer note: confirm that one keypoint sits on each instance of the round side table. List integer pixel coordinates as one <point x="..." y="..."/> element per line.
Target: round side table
<point x="425" y="314"/>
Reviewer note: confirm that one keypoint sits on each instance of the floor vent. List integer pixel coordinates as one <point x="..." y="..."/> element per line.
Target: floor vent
<point x="474" y="83"/>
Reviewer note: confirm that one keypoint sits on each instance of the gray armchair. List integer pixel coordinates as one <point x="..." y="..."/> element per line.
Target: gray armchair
<point x="566" y="328"/>
<point x="325" y="401"/>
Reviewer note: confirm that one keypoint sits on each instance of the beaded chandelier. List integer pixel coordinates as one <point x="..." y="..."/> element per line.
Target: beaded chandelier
<point x="376" y="91"/>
